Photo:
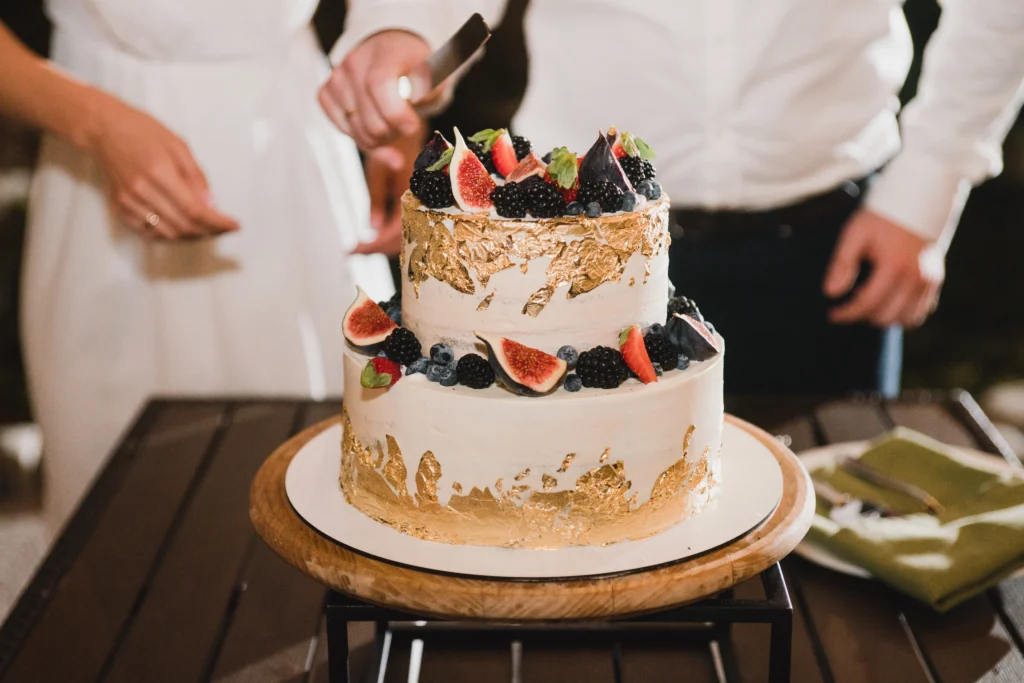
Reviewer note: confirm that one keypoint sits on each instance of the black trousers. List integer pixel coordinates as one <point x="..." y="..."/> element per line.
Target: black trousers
<point x="762" y="289"/>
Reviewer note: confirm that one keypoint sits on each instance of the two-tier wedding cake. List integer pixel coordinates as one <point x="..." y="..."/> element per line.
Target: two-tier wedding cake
<point x="535" y="384"/>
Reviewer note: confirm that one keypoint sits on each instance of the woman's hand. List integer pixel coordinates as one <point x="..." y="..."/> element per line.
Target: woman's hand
<point x="155" y="184"/>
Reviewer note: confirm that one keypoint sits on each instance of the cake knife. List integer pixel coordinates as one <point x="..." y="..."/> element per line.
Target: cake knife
<point x="455" y="52"/>
<point x="869" y="474"/>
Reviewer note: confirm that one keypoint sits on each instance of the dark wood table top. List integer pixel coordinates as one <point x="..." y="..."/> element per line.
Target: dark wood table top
<point x="160" y="577"/>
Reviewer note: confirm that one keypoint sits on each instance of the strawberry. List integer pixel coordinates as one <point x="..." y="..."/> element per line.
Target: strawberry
<point x="499" y="144"/>
<point x="381" y="372"/>
<point x="634" y="352"/>
<point x="563" y="173"/>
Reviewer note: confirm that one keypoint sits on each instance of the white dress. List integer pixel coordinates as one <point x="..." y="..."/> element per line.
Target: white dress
<point x="110" y="320"/>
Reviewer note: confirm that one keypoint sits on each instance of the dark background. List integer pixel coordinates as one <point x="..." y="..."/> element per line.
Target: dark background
<point x="973" y="340"/>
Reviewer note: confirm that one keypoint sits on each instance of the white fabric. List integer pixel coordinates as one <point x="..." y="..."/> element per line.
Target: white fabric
<point x="757" y="103"/>
<point x="110" y="320"/>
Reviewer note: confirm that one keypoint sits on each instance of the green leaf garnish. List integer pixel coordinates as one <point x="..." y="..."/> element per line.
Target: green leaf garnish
<point x="623" y="336"/>
<point x="446" y="158"/>
<point x="488" y="136"/>
<point x="563" y="167"/>
<point x="635" y="147"/>
<point x="371" y="380"/>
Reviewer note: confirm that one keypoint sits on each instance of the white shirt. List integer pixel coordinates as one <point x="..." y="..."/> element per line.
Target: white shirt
<point x="751" y="104"/>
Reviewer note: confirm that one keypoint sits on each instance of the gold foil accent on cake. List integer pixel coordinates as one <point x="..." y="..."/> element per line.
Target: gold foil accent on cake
<point x="548" y="482"/>
<point x="608" y="451"/>
<point x="632" y="281"/>
<point x="565" y="463"/>
<point x="585" y="252"/>
<point x="523" y="475"/>
<point x="486" y="302"/>
<point x="599" y="509"/>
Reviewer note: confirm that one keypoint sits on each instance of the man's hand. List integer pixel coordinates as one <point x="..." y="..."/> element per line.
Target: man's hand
<point x="907" y="273"/>
<point x="361" y="97"/>
<point x="386" y="185"/>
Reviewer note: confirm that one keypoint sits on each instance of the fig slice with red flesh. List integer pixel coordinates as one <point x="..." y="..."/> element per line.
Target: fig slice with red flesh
<point x="600" y="164"/>
<point x="524" y="370"/>
<point x="530" y="165"/>
<point x="366" y="325"/>
<point x="471" y="183"/>
<point x="694" y="337"/>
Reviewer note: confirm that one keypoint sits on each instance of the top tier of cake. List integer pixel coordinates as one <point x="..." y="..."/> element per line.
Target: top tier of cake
<point x="544" y="282"/>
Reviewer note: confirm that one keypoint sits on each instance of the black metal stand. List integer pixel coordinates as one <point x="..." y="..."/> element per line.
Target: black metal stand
<point x="715" y="614"/>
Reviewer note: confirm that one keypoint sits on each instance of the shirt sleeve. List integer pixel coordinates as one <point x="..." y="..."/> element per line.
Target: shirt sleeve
<point x="433" y="20"/>
<point x="971" y="89"/>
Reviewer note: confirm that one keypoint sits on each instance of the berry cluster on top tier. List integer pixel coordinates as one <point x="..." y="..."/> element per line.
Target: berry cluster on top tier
<point x="492" y="169"/>
<point x="643" y="354"/>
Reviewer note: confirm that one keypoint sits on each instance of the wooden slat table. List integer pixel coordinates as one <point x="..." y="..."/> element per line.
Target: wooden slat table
<point x="160" y="577"/>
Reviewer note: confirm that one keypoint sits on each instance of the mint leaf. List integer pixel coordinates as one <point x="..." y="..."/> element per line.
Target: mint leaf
<point x="643" y="148"/>
<point x="488" y="136"/>
<point x="371" y="380"/>
<point x="635" y="147"/>
<point x="563" y="167"/>
<point x="446" y="158"/>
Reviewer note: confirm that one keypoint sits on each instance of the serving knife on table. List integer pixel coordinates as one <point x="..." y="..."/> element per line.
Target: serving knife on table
<point x="856" y="468"/>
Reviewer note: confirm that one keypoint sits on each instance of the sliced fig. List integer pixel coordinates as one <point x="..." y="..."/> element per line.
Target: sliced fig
<point x="600" y="163"/>
<point x="692" y="337"/>
<point x="523" y="370"/>
<point x="432" y="152"/>
<point x="498" y="143"/>
<point x="615" y="140"/>
<point x="366" y="325"/>
<point x="634" y="352"/>
<point x="530" y="165"/>
<point x="471" y="183"/>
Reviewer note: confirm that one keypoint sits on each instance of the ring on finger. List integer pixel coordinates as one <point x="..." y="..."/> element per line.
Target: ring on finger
<point x="152" y="219"/>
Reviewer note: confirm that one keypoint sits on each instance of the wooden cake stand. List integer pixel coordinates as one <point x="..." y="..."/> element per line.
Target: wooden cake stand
<point x="458" y="597"/>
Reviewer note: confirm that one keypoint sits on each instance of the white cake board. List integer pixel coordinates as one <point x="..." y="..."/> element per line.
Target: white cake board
<point x="750" y="490"/>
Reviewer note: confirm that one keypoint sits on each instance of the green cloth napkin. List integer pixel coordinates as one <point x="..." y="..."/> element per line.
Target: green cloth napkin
<point x="976" y="542"/>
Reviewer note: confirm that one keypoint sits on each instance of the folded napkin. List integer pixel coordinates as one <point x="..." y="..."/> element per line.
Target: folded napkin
<point x="977" y="541"/>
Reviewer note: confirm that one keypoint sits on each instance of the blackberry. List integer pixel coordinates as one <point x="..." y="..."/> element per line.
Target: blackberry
<point x="475" y="372"/>
<point x="606" y="194"/>
<point x="637" y="169"/>
<point x="508" y="201"/>
<point x="484" y="157"/>
<point x="602" y="367"/>
<point x="433" y="188"/>
<point x="543" y="200"/>
<point x="402" y="346"/>
<point x="684" y="306"/>
<point x="522" y="146"/>
<point x="661" y="351"/>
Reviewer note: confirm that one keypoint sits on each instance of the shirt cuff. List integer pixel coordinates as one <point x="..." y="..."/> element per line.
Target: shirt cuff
<point x="367" y="17"/>
<point x="921" y="194"/>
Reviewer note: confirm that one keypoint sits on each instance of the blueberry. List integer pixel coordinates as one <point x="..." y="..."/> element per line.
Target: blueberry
<point x="630" y="201"/>
<point x="657" y="369"/>
<point x="418" y="366"/>
<point x="573" y="383"/>
<point x="573" y="209"/>
<point x="395" y="313"/>
<point x="442" y="353"/>
<point x="434" y="371"/>
<point x="684" y="362"/>
<point x="381" y="354"/>
<point x="449" y="378"/>
<point x="655" y="189"/>
<point x="593" y="209"/>
<point x="656" y="328"/>
<point x="569" y="355"/>
<point x="646" y="188"/>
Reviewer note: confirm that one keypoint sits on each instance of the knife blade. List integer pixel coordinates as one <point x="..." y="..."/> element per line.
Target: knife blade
<point x="871" y="475"/>
<point x="455" y="52"/>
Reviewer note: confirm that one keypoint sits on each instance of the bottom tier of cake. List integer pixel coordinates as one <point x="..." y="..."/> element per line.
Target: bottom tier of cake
<point x="486" y="467"/>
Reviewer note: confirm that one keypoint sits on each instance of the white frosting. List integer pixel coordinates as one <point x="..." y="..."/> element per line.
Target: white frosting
<point x="481" y="436"/>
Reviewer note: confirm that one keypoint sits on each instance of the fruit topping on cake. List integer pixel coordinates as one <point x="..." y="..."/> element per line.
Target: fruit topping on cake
<point x="600" y="164"/>
<point x="634" y="352"/>
<point x="563" y="172"/>
<point x="692" y="337"/>
<point x="402" y="346"/>
<point x="683" y="306"/>
<point x="441" y="354"/>
<point x="471" y="183"/>
<point x="522" y="146"/>
<point x="508" y="200"/>
<point x="542" y="199"/>
<point x="497" y="146"/>
<point x="570" y="355"/>
<point x="661" y="350"/>
<point x="523" y="370"/>
<point x="602" y="367"/>
<point x="393" y="307"/>
<point x="530" y="165"/>
<point x="607" y="195"/>
<point x="418" y="367"/>
<point x="635" y="158"/>
<point x="650" y="189"/>
<point x="431" y="154"/>
<point x="573" y="383"/>
<point x="366" y="325"/>
<point x="475" y="372"/>
<point x="432" y="187"/>
<point x="379" y="373"/>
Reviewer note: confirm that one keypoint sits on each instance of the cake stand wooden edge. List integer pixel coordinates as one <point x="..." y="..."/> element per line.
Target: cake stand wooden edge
<point x="428" y="593"/>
